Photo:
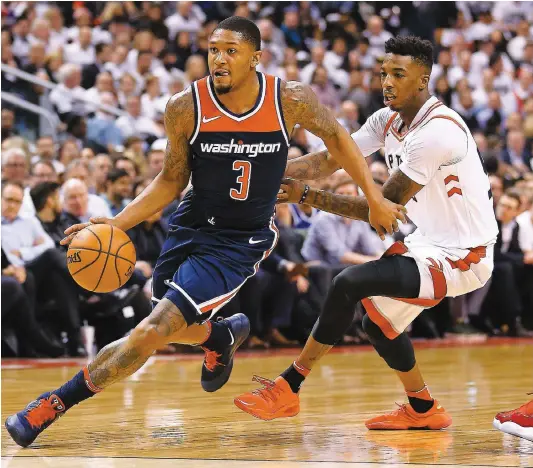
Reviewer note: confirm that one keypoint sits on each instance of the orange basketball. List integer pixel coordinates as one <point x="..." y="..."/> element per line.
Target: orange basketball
<point x="101" y="258"/>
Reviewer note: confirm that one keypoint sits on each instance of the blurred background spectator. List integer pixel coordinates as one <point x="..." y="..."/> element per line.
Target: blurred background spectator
<point x="27" y="245"/>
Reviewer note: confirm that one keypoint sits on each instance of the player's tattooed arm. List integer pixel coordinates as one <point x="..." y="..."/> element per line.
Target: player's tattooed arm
<point x="312" y="166"/>
<point x="400" y="188"/>
<point x="343" y="205"/>
<point x="174" y="177"/>
<point x="179" y="122"/>
<point x="301" y="106"/>
<point x="350" y="207"/>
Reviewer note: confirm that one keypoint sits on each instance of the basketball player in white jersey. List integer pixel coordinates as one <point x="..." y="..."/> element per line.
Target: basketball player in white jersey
<point x="437" y="172"/>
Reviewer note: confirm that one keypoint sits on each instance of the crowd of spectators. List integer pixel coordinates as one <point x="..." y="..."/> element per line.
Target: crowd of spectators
<point x="133" y="56"/>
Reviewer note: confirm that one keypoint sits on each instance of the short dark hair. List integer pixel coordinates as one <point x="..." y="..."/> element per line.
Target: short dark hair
<point x="40" y="193"/>
<point x="318" y="67"/>
<point x="98" y="48"/>
<point x="491" y="165"/>
<point x="131" y="140"/>
<point x="6" y="28"/>
<point x="125" y="158"/>
<point x="514" y="194"/>
<point x="120" y="19"/>
<point x="137" y="184"/>
<point x="419" y="49"/>
<point x="494" y="59"/>
<point x="74" y="121"/>
<point x="115" y="174"/>
<point x="248" y="29"/>
<point x="166" y="51"/>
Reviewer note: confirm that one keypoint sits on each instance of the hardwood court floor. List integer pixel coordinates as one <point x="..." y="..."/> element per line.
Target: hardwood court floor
<point x="161" y="418"/>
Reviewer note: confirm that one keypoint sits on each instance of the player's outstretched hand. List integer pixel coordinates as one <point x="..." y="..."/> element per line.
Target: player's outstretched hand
<point x="290" y="191"/>
<point x="384" y="217"/>
<point x="74" y="229"/>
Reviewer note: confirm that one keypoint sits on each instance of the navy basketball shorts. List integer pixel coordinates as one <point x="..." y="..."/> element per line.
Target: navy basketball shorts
<point x="202" y="270"/>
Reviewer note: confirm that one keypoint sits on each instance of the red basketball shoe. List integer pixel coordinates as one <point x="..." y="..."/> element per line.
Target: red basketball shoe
<point x="518" y="422"/>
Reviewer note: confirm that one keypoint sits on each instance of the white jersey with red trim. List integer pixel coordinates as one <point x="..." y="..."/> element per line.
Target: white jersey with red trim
<point x="454" y="209"/>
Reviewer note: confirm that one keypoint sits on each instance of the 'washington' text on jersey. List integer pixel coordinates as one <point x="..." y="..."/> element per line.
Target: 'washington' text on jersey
<point x="239" y="148"/>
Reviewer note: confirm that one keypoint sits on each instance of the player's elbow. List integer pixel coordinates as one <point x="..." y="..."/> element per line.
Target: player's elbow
<point x="337" y="140"/>
<point x="332" y="139"/>
<point x="174" y="182"/>
<point x="332" y="165"/>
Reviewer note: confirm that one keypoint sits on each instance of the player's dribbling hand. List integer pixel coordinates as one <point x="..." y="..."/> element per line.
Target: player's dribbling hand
<point x="384" y="217"/>
<point x="74" y="229"/>
<point x="290" y="191"/>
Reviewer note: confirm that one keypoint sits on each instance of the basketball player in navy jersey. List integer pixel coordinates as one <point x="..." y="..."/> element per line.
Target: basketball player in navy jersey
<point x="230" y="133"/>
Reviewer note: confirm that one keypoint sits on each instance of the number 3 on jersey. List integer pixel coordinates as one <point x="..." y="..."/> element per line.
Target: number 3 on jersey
<point x="245" y="167"/>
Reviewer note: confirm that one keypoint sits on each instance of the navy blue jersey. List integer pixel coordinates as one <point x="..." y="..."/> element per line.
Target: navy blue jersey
<point x="238" y="161"/>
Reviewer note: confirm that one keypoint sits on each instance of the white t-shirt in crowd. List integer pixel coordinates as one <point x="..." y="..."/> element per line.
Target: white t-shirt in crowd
<point x="69" y="99"/>
<point x="141" y="126"/>
<point x="525" y="233"/>
<point x="75" y="54"/>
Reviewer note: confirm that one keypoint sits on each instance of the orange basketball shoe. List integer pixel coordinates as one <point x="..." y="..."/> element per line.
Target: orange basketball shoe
<point x="518" y="422"/>
<point x="274" y="400"/>
<point x="405" y="417"/>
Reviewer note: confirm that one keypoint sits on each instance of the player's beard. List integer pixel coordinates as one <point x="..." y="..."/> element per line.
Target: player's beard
<point x="223" y="89"/>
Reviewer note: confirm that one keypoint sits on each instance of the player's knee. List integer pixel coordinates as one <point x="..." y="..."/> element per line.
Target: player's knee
<point x="373" y="332"/>
<point x="162" y="326"/>
<point x="342" y="284"/>
<point x="398" y="353"/>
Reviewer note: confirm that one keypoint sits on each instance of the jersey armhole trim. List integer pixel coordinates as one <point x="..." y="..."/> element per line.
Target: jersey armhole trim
<point x="197" y="112"/>
<point x="279" y="109"/>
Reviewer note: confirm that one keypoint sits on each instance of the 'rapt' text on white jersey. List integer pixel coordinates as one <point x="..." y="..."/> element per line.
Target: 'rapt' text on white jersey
<point x="454" y="209"/>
